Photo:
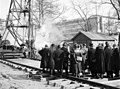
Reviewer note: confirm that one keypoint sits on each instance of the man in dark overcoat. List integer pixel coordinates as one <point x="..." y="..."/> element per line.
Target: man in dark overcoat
<point x="115" y="60"/>
<point x="100" y="60"/>
<point x="65" y="58"/>
<point x="58" y="59"/>
<point x="108" y="56"/>
<point x="45" y="57"/>
<point x="46" y="54"/>
<point x="91" y="60"/>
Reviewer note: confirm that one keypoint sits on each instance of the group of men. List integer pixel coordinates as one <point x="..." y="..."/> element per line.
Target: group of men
<point x="75" y="59"/>
<point x="104" y="60"/>
<point x="54" y="57"/>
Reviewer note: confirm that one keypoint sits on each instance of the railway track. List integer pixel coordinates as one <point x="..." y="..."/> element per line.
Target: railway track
<point x="81" y="81"/>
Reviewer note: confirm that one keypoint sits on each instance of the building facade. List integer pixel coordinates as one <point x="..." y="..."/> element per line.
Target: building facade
<point x="103" y="24"/>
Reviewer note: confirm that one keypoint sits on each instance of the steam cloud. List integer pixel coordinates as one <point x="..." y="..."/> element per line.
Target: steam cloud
<point x="48" y="34"/>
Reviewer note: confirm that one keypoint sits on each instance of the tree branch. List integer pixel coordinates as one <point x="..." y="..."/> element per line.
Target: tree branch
<point x="82" y="11"/>
<point x="77" y="11"/>
<point x="63" y="11"/>
<point x="115" y="9"/>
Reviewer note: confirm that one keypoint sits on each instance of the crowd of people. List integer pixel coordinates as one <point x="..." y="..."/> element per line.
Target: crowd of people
<point x="104" y="59"/>
<point x="77" y="58"/>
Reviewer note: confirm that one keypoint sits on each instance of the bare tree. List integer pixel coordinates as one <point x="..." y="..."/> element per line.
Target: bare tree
<point x="114" y="11"/>
<point x="115" y="4"/>
<point x="84" y="12"/>
<point x="48" y="9"/>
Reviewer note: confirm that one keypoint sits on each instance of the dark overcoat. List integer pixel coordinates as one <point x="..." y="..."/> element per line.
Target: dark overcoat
<point x="58" y="59"/>
<point x="91" y="59"/>
<point x="65" y="57"/>
<point x="100" y="61"/>
<point x="108" y="57"/>
<point x="42" y="65"/>
<point x="45" y="57"/>
<point x="115" y="59"/>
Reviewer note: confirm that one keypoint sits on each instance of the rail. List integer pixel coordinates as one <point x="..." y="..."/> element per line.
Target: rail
<point x="102" y="86"/>
<point x="90" y="82"/>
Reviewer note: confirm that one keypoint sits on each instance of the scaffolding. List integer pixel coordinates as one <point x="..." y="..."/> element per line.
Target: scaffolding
<point x="20" y="17"/>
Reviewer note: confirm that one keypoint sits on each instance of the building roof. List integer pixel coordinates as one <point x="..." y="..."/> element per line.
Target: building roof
<point x="92" y="16"/>
<point x="95" y="36"/>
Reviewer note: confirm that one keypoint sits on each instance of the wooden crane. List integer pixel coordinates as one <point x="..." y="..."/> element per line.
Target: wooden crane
<point x="19" y="20"/>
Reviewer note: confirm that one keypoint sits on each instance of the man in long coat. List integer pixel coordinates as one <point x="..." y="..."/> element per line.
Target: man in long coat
<point x="58" y="59"/>
<point x="45" y="57"/>
<point x="115" y="60"/>
<point x="100" y="60"/>
<point x="108" y="56"/>
<point x="91" y="60"/>
<point x="65" y="58"/>
<point x="42" y="60"/>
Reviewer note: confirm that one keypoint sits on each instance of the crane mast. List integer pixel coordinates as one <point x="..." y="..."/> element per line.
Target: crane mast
<point x="19" y="23"/>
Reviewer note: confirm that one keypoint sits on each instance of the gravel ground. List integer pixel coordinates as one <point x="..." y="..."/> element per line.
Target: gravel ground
<point x="14" y="79"/>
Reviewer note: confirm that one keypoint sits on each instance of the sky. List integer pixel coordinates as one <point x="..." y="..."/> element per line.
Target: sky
<point x="4" y="8"/>
<point x="70" y="14"/>
<point x="5" y="4"/>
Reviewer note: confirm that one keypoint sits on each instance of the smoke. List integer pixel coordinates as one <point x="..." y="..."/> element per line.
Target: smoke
<point x="48" y="34"/>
